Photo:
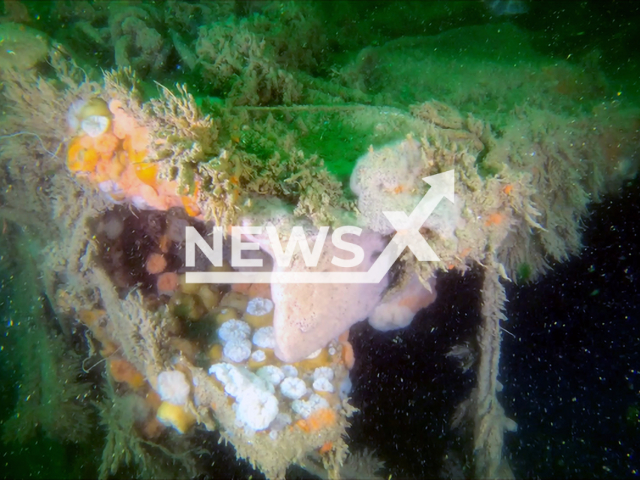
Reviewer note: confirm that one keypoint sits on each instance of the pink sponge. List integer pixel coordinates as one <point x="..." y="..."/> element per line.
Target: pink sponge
<point x="399" y="310"/>
<point x="308" y="316"/>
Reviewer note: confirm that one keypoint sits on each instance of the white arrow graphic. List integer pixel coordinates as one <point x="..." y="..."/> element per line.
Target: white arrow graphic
<point x="407" y="235"/>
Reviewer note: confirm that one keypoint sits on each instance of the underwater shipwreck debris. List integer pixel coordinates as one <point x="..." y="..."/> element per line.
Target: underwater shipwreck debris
<point x="265" y="367"/>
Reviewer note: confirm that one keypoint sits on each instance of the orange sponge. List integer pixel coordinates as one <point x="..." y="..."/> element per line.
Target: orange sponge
<point x="123" y="371"/>
<point x="116" y="161"/>
<point x="80" y="158"/>
<point x="156" y="263"/>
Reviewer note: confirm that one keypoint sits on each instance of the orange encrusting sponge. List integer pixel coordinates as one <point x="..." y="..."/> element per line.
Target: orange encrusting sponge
<point x="123" y="371"/>
<point x="323" y="418"/>
<point x="115" y="161"/>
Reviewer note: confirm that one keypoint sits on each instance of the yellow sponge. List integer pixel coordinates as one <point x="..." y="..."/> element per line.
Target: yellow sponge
<point x="175" y="416"/>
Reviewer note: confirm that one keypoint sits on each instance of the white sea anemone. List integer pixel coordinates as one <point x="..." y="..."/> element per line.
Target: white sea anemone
<point x="257" y="409"/>
<point x="237" y="350"/>
<point x="289" y="370"/>
<point x="293" y="388"/>
<point x="95" y="125"/>
<point x="305" y="408"/>
<point x="234" y="330"/>
<point x="264" y="338"/>
<point x="259" y="356"/>
<point x="173" y="387"/>
<point x="271" y="374"/>
<point x="259" y="306"/>
<point x="323" y="372"/>
<point x="91" y="116"/>
<point x="323" y="384"/>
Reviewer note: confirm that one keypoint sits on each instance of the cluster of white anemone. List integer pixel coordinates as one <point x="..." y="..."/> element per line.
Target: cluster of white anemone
<point x="260" y="396"/>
